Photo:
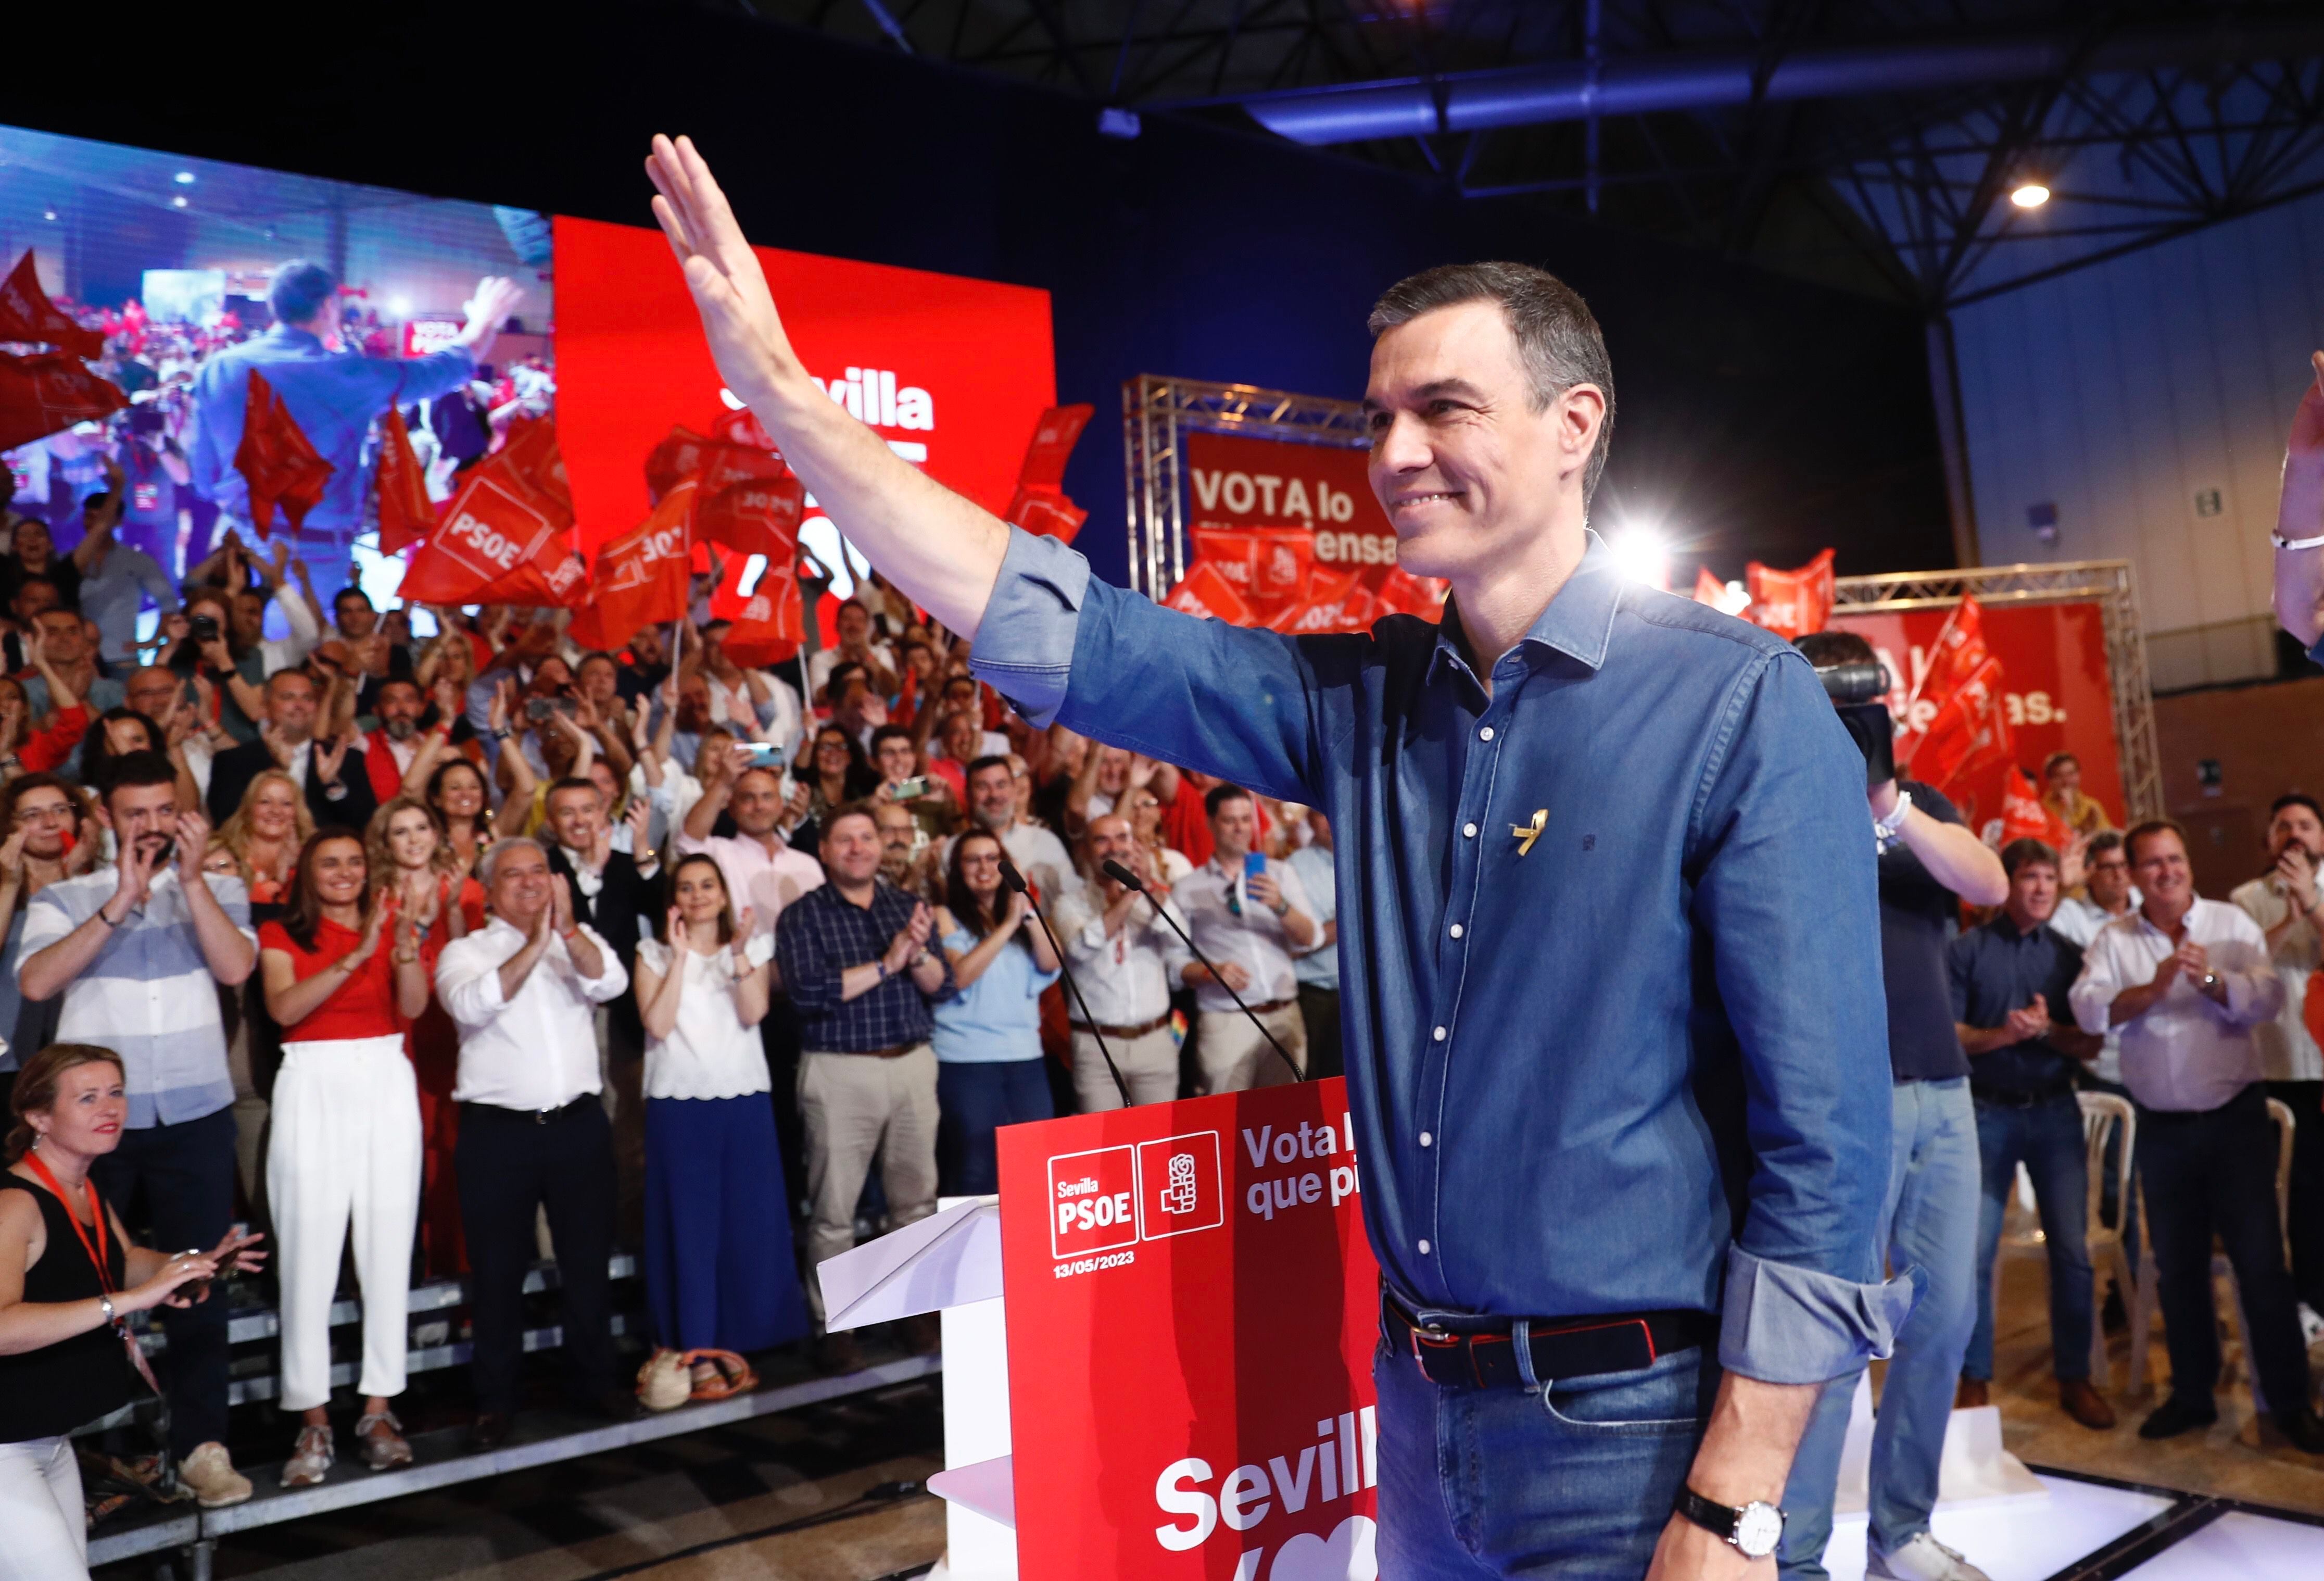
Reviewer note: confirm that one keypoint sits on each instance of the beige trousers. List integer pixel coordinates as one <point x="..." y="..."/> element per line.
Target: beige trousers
<point x="1149" y="1068"/>
<point x="1234" y="1057"/>
<point x="851" y="1104"/>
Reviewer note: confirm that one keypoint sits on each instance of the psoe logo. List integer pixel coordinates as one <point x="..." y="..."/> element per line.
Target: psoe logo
<point x="1181" y="1188"/>
<point x="1092" y="1201"/>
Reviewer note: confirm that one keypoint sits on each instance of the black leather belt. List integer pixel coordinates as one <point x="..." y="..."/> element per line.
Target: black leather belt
<point x="1139" y="1030"/>
<point x="1562" y="1347"/>
<point x="537" y="1116"/>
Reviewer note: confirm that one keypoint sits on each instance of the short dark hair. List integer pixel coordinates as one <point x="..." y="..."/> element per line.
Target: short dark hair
<point x="2147" y="830"/>
<point x="891" y="733"/>
<point x="2027" y="852"/>
<point x="2104" y="841"/>
<point x="137" y="769"/>
<point x="298" y="290"/>
<point x="353" y="592"/>
<point x="2294" y="799"/>
<point x="863" y="809"/>
<point x="570" y="782"/>
<point x="1825" y="648"/>
<point x="989" y="760"/>
<point x="1220" y="795"/>
<point x="1557" y="337"/>
<point x="37" y="581"/>
<point x="2055" y="758"/>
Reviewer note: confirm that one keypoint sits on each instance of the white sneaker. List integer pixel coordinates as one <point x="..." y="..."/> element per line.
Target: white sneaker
<point x="209" y="1472"/>
<point x="1923" y="1559"/>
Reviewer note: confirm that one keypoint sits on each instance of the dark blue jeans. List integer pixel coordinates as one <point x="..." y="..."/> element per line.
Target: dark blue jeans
<point x="2213" y="1171"/>
<point x="1571" y="1478"/>
<point x="974" y="1100"/>
<point x="182" y="1177"/>
<point x="2048" y="1138"/>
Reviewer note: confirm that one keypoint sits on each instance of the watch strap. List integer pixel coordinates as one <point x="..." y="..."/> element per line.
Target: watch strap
<point x="2284" y="543"/>
<point x="1723" y="1521"/>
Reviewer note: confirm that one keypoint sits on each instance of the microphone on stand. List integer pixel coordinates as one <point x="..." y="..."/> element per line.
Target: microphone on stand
<point x="1129" y="880"/>
<point x="1015" y="881"/>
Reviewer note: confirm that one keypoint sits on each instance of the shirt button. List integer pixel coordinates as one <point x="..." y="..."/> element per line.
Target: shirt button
<point x="1427" y="1139"/>
<point x="1456" y="930"/>
<point x="1486" y="733"/>
<point x="1424" y="1248"/>
<point x="1470" y="830"/>
<point x="1440" y="1034"/>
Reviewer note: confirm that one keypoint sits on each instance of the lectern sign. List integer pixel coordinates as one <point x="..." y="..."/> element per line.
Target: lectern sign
<point x="1192" y="1312"/>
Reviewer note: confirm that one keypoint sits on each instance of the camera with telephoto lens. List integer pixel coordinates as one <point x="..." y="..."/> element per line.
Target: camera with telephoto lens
<point x="203" y="628"/>
<point x="1855" y="691"/>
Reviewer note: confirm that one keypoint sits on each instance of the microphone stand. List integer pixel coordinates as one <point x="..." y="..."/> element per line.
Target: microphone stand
<point x="1015" y="881"/>
<point x="1129" y="880"/>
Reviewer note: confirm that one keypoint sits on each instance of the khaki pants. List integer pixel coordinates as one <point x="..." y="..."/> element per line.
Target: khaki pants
<point x="850" y="1103"/>
<point x="1150" y="1066"/>
<point x="1234" y="1057"/>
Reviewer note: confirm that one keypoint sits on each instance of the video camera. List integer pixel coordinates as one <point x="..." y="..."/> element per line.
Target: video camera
<point x="1855" y="691"/>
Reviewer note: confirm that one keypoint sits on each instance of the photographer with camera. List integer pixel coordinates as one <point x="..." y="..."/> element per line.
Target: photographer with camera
<point x="1930" y="863"/>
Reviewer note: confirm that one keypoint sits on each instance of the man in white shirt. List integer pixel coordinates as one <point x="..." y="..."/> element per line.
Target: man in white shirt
<point x="2187" y="980"/>
<point x="2105" y="870"/>
<point x="1119" y="949"/>
<point x="1036" y="851"/>
<point x="533" y="1134"/>
<point x="854" y="623"/>
<point x="2286" y="904"/>
<point x="762" y="871"/>
<point x="1251" y="917"/>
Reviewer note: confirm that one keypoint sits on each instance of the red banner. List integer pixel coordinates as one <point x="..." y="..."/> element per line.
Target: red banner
<point x="643" y="576"/>
<point x="1055" y="434"/>
<point x="276" y="461"/>
<point x="1207" y="592"/>
<point x="2022" y="815"/>
<point x="505" y="537"/>
<point x="2054" y="692"/>
<point x="1192" y="1313"/>
<point x="50" y="391"/>
<point x="27" y="316"/>
<point x="1789" y="603"/>
<point x="406" y="514"/>
<point x="748" y="501"/>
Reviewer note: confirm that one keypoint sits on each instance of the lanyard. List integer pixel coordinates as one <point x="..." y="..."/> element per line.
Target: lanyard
<point x="96" y="1252"/>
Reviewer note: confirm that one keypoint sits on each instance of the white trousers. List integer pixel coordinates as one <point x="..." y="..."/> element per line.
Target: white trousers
<point x="345" y="1155"/>
<point x="1150" y="1069"/>
<point x="1234" y="1057"/>
<point x="43" y="1534"/>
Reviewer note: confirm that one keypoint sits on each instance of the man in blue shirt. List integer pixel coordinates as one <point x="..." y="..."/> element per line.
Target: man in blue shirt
<point x="332" y="393"/>
<point x="1617" y="1066"/>
<point x="2010" y="980"/>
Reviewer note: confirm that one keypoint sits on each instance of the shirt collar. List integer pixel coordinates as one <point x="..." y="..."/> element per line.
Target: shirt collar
<point x="1578" y="622"/>
<point x="285" y="334"/>
<point x="2006" y="927"/>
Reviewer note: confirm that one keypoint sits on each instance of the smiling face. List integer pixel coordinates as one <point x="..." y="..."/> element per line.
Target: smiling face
<point x="1469" y="472"/>
<point x="153" y="693"/>
<point x="575" y="816"/>
<point x="699" y="891"/>
<point x="1231" y="829"/>
<point x="992" y="796"/>
<point x="2164" y="876"/>
<point x="290" y="700"/>
<point x="86" y="1115"/>
<point x="412" y="838"/>
<point x="850" y="849"/>
<point x="978" y="859"/>
<point x="46" y="815"/>
<point x="337" y="871"/>
<point x="757" y="802"/>
<point x="520" y="887"/>
<point x="273" y="806"/>
<point x="460" y="793"/>
<point x="2032" y="893"/>
<point x="399" y="706"/>
<point x="896" y="759"/>
<point x="831" y="754"/>
<point x="144" y="816"/>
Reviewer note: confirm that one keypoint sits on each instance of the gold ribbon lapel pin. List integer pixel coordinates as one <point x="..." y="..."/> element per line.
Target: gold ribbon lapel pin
<point x="1527" y="834"/>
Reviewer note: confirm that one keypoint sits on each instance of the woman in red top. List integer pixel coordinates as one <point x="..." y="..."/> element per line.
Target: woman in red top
<point x="345" y="1145"/>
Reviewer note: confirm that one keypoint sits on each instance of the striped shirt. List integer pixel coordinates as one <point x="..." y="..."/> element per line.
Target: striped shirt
<point x="149" y="995"/>
<point x="817" y="938"/>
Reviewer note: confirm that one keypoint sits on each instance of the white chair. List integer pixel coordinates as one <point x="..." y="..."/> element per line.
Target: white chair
<point x="2142" y="1309"/>
<point x="2105" y="1118"/>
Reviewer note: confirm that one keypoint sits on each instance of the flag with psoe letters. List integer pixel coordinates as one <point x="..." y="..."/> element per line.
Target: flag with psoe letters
<point x="643" y="576"/>
<point x="506" y="536"/>
<point x="1207" y="592"/>
<point x="49" y="392"/>
<point x="1789" y="603"/>
<point x="1192" y="1311"/>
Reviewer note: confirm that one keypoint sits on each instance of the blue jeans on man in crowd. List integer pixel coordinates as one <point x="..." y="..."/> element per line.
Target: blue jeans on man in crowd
<point x="1572" y="1479"/>
<point x="2047" y="1136"/>
<point x="1930" y="1223"/>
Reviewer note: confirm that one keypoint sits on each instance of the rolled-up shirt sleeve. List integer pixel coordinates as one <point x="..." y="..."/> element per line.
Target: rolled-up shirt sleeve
<point x="2095" y="991"/>
<point x="468" y="982"/>
<point x="610" y="983"/>
<point x="1788" y="894"/>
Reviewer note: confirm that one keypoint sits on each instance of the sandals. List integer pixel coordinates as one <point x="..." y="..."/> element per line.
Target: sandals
<point x="312" y="1460"/>
<point x="384" y="1449"/>
<point x="733" y="1377"/>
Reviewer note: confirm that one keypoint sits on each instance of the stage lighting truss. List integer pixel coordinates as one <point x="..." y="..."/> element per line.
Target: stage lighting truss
<point x="1156" y="410"/>
<point x="2109" y="583"/>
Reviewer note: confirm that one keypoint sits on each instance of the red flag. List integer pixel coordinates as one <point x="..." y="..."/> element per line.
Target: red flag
<point x="276" y="461"/>
<point x="1046" y="513"/>
<point x="406" y="514"/>
<point x="1337" y="601"/>
<point x="1208" y="592"/>
<point x="769" y="623"/>
<point x="678" y="456"/>
<point x="643" y="576"/>
<point x="1399" y="592"/>
<point x="1707" y="588"/>
<point x="1269" y="566"/>
<point x="1054" y="437"/>
<point x="504" y="538"/>
<point x="2025" y="816"/>
<point x="27" y="315"/>
<point x="1967" y="726"/>
<point x="50" y="391"/>
<point x="1789" y="603"/>
<point x="748" y="501"/>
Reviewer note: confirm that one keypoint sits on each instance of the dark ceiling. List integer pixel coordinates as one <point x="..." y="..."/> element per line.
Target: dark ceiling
<point x="1873" y="144"/>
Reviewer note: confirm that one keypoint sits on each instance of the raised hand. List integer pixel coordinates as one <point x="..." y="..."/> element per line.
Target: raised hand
<point x="383" y="912"/>
<point x="743" y="941"/>
<point x="745" y="332"/>
<point x="135" y="876"/>
<point x="560" y="890"/>
<point x="1263" y="889"/>
<point x="193" y="834"/>
<point x="675" y="933"/>
<point x="330" y="758"/>
<point x="275" y="746"/>
<point x="88" y="842"/>
<point x="640" y="818"/>
<point x="12" y="856"/>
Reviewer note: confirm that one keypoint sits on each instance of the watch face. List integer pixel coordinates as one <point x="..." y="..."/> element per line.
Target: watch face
<point x="1757" y="1529"/>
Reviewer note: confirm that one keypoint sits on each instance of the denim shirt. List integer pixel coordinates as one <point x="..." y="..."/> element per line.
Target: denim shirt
<point x="1637" y="1063"/>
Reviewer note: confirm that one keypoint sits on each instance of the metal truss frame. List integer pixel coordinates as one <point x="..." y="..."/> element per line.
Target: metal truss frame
<point x="2111" y="585"/>
<point x="1157" y="410"/>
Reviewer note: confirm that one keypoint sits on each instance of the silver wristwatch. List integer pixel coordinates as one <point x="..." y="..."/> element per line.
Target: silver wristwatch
<point x="105" y="1304"/>
<point x="1751" y="1530"/>
<point x="2284" y="543"/>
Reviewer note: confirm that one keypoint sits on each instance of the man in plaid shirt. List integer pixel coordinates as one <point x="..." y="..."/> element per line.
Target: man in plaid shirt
<point x="856" y="963"/>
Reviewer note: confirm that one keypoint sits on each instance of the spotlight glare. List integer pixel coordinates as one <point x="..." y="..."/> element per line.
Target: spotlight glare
<point x="399" y="307"/>
<point x="48" y="214"/>
<point x="1640" y="556"/>
<point x="178" y="201"/>
<point x="2031" y="195"/>
<point x="184" y="178"/>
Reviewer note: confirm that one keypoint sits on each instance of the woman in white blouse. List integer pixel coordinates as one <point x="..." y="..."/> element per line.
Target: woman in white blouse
<point x="719" y="1267"/>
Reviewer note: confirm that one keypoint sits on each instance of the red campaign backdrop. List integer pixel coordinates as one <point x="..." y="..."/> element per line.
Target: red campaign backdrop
<point x="2055" y="692"/>
<point x="1192" y="1308"/>
<point x="962" y="367"/>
